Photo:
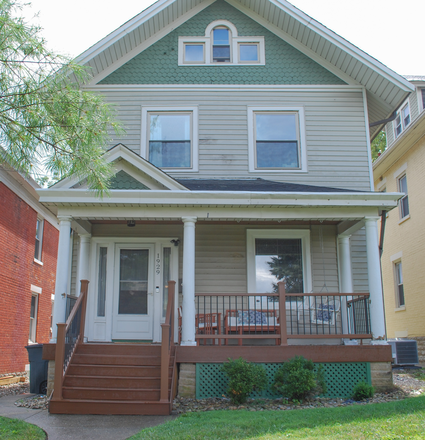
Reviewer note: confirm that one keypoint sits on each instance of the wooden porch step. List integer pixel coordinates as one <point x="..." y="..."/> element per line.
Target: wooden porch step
<point x="122" y="394"/>
<point x="78" y="406"/>
<point x="111" y="359"/>
<point x="113" y="382"/>
<point x="120" y="349"/>
<point x="114" y="370"/>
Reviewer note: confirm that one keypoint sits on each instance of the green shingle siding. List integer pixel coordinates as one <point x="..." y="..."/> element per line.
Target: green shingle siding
<point x="122" y="180"/>
<point x="158" y="64"/>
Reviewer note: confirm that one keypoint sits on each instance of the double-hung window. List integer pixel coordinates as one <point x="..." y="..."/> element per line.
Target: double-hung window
<point x="33" y="318"/>
<point x="221" y="45"/>
<point x="170" y="138"/>
<point x="276" y="140"/>
<point x="404" y="201"/>
<point x="402" y="119"/>
<point x="399" y="284"/>
<point x="38" y="239"/>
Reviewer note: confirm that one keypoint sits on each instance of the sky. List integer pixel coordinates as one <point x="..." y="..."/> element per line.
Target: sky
<point x="385" y="29"/>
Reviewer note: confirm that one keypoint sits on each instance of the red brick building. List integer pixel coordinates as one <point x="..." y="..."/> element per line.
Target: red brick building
<point x="28" y="254"/>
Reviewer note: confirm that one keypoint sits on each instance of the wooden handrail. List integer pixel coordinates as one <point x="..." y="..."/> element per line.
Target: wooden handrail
<point x="167" y="341"/>
<point x="61" y="335"/>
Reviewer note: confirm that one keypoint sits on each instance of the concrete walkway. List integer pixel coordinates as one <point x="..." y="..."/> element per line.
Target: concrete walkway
<point x="67" y="427"/>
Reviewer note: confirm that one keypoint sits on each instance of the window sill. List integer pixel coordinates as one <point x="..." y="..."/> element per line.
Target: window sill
<point x="40" y="263"/>
<point x="404" y="219"/>
<point x="400" y="309"/>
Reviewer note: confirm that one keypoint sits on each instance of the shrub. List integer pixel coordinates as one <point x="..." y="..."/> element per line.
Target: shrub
<point x="244" y="378"/>
<point x="297" y="381"/>
<point x="363" y="391"/>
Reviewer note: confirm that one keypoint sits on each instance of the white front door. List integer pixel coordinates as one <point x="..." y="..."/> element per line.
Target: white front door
<point x="132" y="315"/>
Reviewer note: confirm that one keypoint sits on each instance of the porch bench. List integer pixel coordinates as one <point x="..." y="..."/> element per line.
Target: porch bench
<point x="246" y="321"/>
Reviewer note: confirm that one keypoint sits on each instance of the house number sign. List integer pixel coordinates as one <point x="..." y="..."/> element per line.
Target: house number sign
<point x="157" y="265"/>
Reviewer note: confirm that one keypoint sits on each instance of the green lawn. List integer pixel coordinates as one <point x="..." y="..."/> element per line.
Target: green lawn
<point x="390" y="421"/>
<point x="13" y="429"/>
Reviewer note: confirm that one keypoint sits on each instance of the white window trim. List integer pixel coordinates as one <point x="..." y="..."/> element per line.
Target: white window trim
<point x="302" y="140"/>
<point x="303" y="234"/>
<point x="403" y="127"/>
<point x="37" y="259"/>
<point x="395" y="261"/>
<point x="207" y="41"/>
<point x="144" y="151"/>
<point x="35" y="291"/>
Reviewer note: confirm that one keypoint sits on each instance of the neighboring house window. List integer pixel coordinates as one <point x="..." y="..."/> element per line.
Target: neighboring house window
<point x="170" y="138"/>
<point x="221" y="44"/>
<point x="423" y="98"/>
<point x="404" y="201"/>
<point x="276" y="140"/>
<point x="38" y="239"/>
<point x="33" y="318"/>
<point x="402" y="119"/>
<point x="279" y="255"/>
<point x="399" y="284"/>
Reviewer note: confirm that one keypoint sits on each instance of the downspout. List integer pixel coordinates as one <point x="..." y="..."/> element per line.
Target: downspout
<point x="381" y="250"/>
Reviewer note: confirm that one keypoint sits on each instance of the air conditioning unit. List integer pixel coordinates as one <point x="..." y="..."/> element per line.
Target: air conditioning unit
<point x="404" y="351"/>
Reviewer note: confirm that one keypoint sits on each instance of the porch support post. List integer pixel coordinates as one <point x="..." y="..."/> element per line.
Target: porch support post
<point x="83" y="266"/>
<point x="377" y="315"/>
<point x="346" y="275"/>
<point x="188" y="306"/>
<point x="62" y="274"/>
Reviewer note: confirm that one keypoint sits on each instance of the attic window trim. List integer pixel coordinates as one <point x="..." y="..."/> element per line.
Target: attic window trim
<point x="235" y="42"/>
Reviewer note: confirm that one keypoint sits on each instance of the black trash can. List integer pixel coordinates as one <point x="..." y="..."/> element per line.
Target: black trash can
<point x="38" y="369"/>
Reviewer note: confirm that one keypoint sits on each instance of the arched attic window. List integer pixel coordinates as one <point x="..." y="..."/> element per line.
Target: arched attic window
<point x="221" y="45"/>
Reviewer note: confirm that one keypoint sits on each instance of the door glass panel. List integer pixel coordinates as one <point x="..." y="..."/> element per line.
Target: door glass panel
<point x="101" y="283"/>
<point x="133" y="289"/>
<point x="165" y="278"/>
<point x="278" y="260"/>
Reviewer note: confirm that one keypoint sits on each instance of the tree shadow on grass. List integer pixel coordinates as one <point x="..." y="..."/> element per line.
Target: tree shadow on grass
<point x="389" y="420"/>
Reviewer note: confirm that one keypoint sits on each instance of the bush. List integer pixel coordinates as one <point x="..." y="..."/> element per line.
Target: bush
<point x="297" y="381"/>
<point x="244" y="378"/>
<point x="363" y="391"/>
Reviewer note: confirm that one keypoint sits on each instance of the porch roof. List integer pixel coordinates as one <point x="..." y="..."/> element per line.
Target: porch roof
<point x="255" y="185"/>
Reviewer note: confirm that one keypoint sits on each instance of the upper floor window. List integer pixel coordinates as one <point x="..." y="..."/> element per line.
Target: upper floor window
<point x="221" y="45"/>
<point x="404" y="201"/>
<point x="169" y="138"/>
<point x="38" y="239"/>
<point x="423" y="98"/>
<point x="276" y="140"/>
<point x="402" y="119"/>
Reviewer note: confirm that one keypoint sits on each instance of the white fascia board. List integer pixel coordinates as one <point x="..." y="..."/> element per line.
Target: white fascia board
<point x="344" y="45"/>
<point x="228" y="198"/>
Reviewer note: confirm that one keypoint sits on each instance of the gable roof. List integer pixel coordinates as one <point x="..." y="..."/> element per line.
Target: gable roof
<point x="385" y="89"/>
<point x="121" y="153"/>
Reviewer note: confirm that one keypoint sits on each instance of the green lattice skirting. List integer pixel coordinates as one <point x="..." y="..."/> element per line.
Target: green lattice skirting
<point x="340" y="379"/>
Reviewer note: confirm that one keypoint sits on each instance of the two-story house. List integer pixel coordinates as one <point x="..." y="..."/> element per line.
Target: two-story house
<point x="241" y="220"/>
<point x="29" y="242"/>
<point x="401" y="168"/>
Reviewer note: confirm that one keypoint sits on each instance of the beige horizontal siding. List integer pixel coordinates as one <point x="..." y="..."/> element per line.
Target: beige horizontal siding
<point x="334" y="129"/>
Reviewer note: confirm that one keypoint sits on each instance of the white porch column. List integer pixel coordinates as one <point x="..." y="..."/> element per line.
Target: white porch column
<point x="346" y="275"/>
<point x="62" y="275"/>
<point x="84" y="259"/>
<point x="377" y="315"/>
<point x="188" y="306"/>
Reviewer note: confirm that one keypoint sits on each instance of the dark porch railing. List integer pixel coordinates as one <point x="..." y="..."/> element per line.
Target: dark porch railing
<point x="70" y="334"/>
<point x="221" y="318"/>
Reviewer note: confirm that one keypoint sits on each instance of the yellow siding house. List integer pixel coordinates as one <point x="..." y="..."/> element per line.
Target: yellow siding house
<point x="402" y="168"/>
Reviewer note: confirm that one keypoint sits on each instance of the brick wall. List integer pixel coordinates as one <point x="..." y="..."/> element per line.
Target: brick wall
<point x="18" y="272"/>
